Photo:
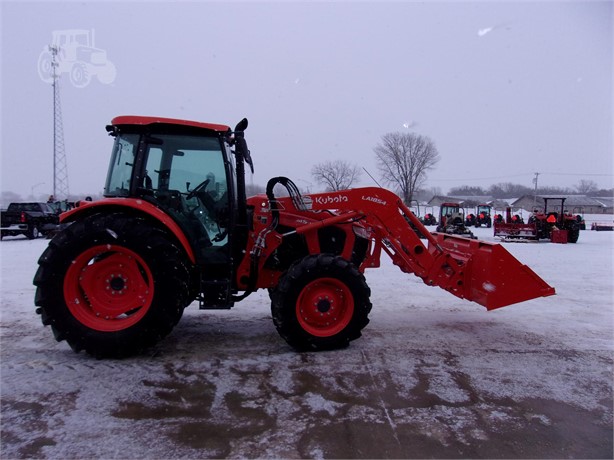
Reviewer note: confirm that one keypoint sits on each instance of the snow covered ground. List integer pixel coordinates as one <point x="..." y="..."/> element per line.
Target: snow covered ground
<point x="432" y="376"/>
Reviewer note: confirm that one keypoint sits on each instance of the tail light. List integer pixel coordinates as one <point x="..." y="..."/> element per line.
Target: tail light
<point x="23" y="219"/>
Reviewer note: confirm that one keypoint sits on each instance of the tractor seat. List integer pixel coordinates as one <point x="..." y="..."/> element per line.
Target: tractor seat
<point x="171" y="199"/>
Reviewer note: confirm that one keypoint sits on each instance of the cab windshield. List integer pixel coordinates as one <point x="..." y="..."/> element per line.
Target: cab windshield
<point x="449" y="210"/>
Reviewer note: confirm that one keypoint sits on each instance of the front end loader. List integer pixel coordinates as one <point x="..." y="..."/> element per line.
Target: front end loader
<point x="176" y="228"/>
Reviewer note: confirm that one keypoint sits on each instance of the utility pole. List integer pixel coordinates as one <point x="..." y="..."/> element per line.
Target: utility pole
<point x="60" y="168"/>
<point x="535" y="192"/>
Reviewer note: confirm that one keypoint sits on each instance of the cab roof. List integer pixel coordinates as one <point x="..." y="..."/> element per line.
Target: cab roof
<point x="139" y="120"/>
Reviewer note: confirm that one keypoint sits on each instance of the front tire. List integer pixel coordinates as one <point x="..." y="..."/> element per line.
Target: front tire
<point x="112" y="285"/>
<point x="321" y="303"/>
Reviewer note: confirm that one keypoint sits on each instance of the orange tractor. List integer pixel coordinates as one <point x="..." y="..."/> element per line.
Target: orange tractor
<point x="481" y="217"/>
<point x="555" y="225"/>
<point x="175" y="227"/>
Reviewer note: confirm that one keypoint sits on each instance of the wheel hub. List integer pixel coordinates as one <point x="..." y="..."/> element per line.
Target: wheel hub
<point x="323" y="305"/>
<point x="117" y="284"/>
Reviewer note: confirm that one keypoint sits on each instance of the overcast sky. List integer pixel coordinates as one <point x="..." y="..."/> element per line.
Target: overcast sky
<point x="503" y="89"/>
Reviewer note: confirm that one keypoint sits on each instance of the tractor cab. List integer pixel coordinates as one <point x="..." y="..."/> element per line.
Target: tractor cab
<point x="450" y="213"/>
<point x="186" y="172"/>
<point x="452" y="220"/>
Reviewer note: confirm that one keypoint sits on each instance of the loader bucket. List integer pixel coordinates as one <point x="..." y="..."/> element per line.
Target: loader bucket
<point x="493" y="277"/>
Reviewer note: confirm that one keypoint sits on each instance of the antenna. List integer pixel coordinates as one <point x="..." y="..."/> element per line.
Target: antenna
<point x="535" y="192"/>
<point x="373" y="178"/>
<point x="60" y="168"/>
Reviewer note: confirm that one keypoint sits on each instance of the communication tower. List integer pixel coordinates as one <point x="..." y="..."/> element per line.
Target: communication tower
<point x="60" y="167"/>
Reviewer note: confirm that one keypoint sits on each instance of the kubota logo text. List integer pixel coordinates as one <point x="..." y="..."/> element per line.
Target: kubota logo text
<point x="331" y="199"/>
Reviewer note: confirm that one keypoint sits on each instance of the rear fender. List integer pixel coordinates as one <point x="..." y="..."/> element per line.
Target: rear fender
<point x="135" y="205"/>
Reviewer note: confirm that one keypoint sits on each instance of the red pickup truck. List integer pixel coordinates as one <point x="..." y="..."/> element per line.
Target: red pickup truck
<point x="29" y="219"/>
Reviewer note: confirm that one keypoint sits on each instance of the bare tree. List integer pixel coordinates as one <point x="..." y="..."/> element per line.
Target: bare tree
<point x="403" y="160"/>
<point x="509" y="190"/>
<point x="586" y="186"/>
<point x="467" y="190"/>
<point x="254" y="189"/>
<point x="335" y="175"/>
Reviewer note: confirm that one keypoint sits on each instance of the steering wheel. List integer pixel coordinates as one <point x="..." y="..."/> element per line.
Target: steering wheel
<point x="198" y="188"/>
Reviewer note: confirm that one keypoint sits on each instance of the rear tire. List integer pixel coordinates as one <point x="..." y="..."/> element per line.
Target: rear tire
<point x="32" y="232"/>
<point x="573" y="233"/>
<point x="112" y="285"/>
<point x="321" y="303"/>
<point x="79" y="75"/>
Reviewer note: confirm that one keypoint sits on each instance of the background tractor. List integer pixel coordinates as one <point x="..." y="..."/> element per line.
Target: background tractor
<point x="175" y="227"/>
<point x="452" y="220"/>
<point x="481" y="217"/>
<point x="554" y="224"/>
<point x="429" y="218"/>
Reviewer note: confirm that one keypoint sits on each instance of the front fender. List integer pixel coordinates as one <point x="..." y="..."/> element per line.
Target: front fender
<point x="134" y="204"/>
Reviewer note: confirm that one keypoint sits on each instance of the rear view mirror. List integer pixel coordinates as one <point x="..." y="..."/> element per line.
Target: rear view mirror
<point x="242" y="125"/>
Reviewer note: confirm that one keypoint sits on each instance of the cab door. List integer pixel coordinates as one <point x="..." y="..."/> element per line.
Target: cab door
<point x="187" y="177"/>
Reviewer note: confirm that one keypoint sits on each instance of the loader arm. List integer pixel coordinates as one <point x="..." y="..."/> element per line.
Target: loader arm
<point x="475" y="270"/>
